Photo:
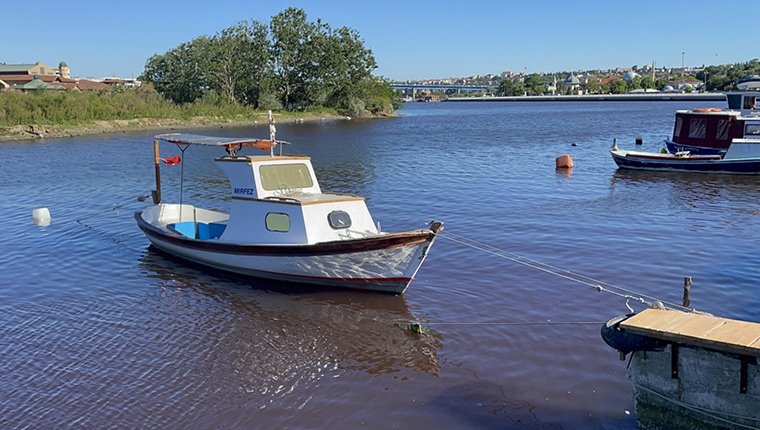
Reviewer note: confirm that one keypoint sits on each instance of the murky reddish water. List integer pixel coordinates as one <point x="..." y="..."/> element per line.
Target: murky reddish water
<point x="99" y="330"/>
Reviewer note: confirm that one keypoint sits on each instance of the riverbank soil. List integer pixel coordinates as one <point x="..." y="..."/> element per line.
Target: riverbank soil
<point x="43" y="131"/>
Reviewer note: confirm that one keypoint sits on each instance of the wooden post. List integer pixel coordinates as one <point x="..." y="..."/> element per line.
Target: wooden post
<point x="157" y="164"/>
<point x="686" y="287"/>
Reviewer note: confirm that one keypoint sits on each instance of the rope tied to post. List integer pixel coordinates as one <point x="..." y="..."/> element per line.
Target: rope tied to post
<point x="600" y="286"/>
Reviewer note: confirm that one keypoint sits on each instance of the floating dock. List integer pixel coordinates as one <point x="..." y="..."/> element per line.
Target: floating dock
<point x="672" y="97"/>
<point x="702" y="373"/>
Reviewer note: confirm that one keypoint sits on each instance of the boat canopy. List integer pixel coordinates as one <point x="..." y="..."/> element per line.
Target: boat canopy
<point x="199" y="139"/>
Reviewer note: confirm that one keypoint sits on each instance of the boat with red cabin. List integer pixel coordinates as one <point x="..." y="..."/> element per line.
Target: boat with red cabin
<point x="710" y="131"/>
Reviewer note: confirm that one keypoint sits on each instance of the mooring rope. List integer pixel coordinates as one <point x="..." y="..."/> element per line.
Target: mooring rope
<point x="116" y="207"/>
<point x="502" y="323"/>
<point x="598" y="285"/>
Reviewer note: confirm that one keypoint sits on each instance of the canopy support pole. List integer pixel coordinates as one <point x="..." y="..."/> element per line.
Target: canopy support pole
<point x="157" y="164"/>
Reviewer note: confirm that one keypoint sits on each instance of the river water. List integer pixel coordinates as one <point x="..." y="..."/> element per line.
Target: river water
<point x="99" y="330"/>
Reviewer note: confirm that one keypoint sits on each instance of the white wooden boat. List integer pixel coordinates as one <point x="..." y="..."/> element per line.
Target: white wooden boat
<point x="282" y="226"/>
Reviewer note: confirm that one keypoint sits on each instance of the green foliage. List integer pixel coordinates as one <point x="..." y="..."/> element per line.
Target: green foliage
<point x="619" y="87"/>
<point x="535" y="84"/>
<point x="508" y="87"/>
<point x="73" y="107"/>
<point x="724" y="77"/>
<point x="291" y="62"/>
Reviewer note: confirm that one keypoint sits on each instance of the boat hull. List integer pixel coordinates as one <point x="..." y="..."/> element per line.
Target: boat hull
<point x="687" y="164"/>
<point x="674" y="147"/>
<point x="386" y="263"/>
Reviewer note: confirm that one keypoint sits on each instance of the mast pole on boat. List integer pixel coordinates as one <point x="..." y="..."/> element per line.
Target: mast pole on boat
<point x="272" y="133"/>
<point x="157" y="164"/>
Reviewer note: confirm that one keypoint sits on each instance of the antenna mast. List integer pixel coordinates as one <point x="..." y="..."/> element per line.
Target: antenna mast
<point x="272" y="132"/>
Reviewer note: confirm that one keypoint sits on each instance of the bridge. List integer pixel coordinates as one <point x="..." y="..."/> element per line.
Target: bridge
<point x="401" y="86"/>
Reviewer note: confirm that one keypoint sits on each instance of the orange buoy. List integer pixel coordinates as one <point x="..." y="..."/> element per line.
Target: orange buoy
<point x="564" y="162"/>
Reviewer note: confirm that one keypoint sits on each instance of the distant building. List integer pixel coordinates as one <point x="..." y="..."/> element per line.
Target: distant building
<point x="27" y="77"/>
<point x="573" y="84"/>
<point x="630" y="76"/>
<point x="89" y="85"/>
<point x="63" y="70"/>
<point x="37" y="84"/>
<point x="38" y="68"/>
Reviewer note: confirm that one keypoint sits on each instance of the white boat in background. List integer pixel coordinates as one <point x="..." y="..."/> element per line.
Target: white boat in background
<point x="749" y="83"/>
<point x="282" y="226"/>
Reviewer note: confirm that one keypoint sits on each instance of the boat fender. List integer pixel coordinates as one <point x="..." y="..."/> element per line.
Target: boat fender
<point x="564" y="162"/>
<point x="625" y="341"/>
<point x="41" y="216"/>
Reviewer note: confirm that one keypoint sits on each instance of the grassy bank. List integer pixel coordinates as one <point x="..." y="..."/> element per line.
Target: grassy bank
<point x="69" y="113"/>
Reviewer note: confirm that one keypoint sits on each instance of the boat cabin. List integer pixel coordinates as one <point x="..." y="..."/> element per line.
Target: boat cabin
<point x="278" y="200"/>
<point x="713" y="128"/>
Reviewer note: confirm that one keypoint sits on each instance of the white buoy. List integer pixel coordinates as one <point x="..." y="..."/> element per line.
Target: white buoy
<point x="41" y="216"/>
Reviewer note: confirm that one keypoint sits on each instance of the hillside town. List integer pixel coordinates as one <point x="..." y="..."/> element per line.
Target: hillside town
<point x="39" y="76"/>
<point x="635" y="79"/>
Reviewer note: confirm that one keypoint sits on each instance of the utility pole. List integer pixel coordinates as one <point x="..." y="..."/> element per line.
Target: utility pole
<point x="683" y="61"/>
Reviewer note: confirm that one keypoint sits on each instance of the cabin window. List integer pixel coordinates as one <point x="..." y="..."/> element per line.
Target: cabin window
<point x="752" y="129"/>
<point x="697" y="128"/>
<point x="722" y="133"/>
<point x="749" y="102"/>
<point x="278" y="222"/>
<point x="285" y="176"/>
<point x="339" y="219"/>
<point x="679" y="123"/>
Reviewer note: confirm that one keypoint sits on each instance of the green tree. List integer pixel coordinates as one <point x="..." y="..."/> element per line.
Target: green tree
<point x="508" y="87"/>
<point x="534" y="84"/>
<point x="346" y="65"/>
<point x="294" y="54"/>
<point x="619" y="87"/>
<point x="237" y="61"/>
<point x="178" y="74"/>
<point x="291" y="62"/>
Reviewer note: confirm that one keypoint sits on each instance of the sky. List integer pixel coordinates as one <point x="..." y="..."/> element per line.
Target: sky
<point x="411" y="39"/>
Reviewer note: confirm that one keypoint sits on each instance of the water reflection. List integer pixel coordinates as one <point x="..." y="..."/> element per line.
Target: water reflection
<point x="690" y="188"/>
<point x="351" y="330"/>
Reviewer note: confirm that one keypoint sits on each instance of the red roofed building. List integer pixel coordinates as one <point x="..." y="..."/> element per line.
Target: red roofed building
<point x="87" y="85"/>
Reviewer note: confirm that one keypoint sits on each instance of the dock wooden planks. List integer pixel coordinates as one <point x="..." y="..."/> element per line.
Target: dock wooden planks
<point x="705" y="331"/>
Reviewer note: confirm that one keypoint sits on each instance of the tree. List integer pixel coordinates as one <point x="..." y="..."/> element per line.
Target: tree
<point x="619" y="87"/>
<point x="534" y="84"/>
<point x="236" y="61"/>
<point x="346" y="63"/>
<point x="647" y="82"/>
<point x="294" y="54"/>
<point x="291" y="62"/>
<point x="177" y="74"/>
<point x="507" y="87"/>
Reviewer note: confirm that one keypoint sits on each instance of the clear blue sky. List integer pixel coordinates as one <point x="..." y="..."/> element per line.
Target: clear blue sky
<point x="411" y="39"/>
